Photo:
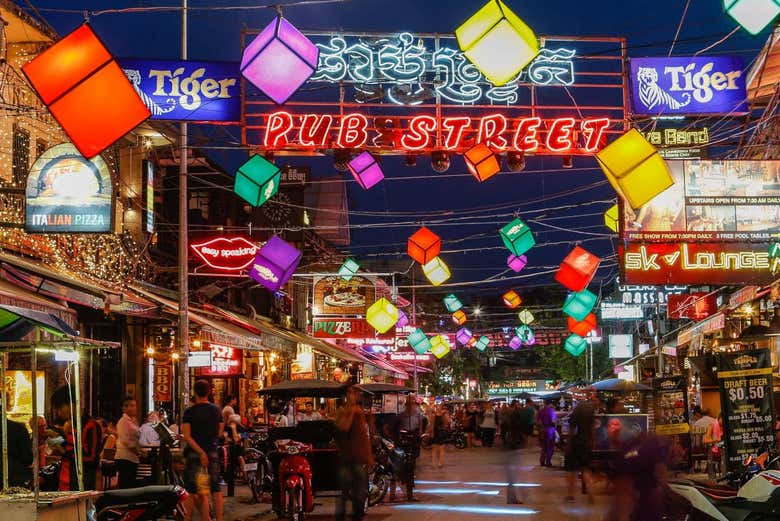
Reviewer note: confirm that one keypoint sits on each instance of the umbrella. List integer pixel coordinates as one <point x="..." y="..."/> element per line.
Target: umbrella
<point x="620" y="385"/>
<point x="16" y="322"/>
<point x="383" y="388"/>
<point x="298" y="388"/>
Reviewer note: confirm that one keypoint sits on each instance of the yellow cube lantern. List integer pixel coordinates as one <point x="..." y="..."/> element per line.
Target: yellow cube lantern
<point x="382" y="315"/>
<point x="497" y="42"/>
<point x="526" y="317"/>
<point x="436" y="271"/>
<point x="634" y="168"/>
<point x="439" y="346"/>
<point x="611" y="217"/>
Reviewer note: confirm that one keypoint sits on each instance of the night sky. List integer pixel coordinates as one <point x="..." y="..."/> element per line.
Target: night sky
<point x="438" y="199"/>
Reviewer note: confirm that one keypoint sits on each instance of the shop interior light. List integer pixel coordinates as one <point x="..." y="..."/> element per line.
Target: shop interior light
<point x="382" y="315"/>
<point x="150" y="351"/>
<point x="257" y="180"/>
<point x="174" y="356"/>
<point x="437" y="271"/>
<point x="517" y="237"/>
<point x="424" y="245"/>
<point x="366" y="170"/>
<point x="753" y="15"/>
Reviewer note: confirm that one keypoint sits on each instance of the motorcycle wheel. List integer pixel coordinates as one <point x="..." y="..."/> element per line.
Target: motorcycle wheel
<point x="460" y="442"/>
<point x="253" y="482"/>
<point x="377" y="488"/>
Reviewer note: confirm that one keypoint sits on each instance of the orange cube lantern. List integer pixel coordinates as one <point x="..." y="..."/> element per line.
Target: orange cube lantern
<point x="482" y="162"/>
<point x="459" y="317"/>
<point x="424" y="245"/>
<point x="583" y="327"/>
<point x="86" y="91"/>
<point x="577" y="269"/>
<point x="512" y="299"/>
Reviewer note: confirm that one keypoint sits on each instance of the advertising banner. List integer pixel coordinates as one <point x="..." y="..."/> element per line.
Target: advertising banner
<point x="670" y="408"/>
<point x="163" y="382"/>
<point x="225" y="361"/>
<point x="618" y="431"/>
<point x="148" y="171"/>
<point x="346" y="328"/>
<point x="745" y="382"/>
<point x="688" y="85"/>
<point x="696" y="306"/>
<point x="336" y="296"/>
<point x="187" y="90"/>
<point x="67" y="193"/>
<point x="226" y="254"/>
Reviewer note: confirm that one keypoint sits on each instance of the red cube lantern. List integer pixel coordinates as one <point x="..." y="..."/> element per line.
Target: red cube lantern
<point x="577" y="269"/>
<point x="482" y="162"/>
<point x="512" y="299"/>
<point x="584" y="327"/>
<point x="424" y="245"/>
<point x="86" y="91"/>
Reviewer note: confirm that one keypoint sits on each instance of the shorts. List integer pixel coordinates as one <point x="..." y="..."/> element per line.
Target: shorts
<point x="578" y="458"/>
<point x="192" y="467"/>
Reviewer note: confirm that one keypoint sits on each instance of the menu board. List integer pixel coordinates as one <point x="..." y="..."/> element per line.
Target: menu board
<point x="670" y="410"/>
<point x="745" y="382"/>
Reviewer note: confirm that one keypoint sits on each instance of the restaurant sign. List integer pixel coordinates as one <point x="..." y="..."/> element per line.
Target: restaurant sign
<point x="226" y="253"/>
<point x="346" y="328"/>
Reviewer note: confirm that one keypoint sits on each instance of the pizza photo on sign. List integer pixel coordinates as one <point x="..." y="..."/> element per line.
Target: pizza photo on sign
<point x="336" y="296"/>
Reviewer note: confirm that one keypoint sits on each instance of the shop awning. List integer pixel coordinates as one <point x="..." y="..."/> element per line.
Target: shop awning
<point x="763" y="78"/>
<point x="16" y="322"/>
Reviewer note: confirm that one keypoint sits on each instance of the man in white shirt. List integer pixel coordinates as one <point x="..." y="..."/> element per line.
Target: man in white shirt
<point x="127" y="444"/>
<point x="147" y="436"/>
<point x="309" y="414"/>
<point x="705" y="422"/>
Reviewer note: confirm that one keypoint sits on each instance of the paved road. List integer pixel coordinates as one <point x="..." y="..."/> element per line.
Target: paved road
<point x="472" y="486"/>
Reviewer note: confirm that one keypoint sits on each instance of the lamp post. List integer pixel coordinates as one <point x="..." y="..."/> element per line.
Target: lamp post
<point x="184" y="326"/>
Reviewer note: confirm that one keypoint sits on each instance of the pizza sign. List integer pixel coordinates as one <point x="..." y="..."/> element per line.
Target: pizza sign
<point x="336" y="296"/>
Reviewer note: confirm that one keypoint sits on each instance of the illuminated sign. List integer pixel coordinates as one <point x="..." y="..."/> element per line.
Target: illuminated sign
<point x="674" y="143"/>
<point x="67" y="193"/>
<point x="618" y="311"/>
<point x="347" y="328"/>
<point x="186" y="90"/>
<point x="225" y="361"/>
<point x="696" y="306"/>
<point x="409" y="356"/>
<point x="519" y="386"/>
<point x="633" y="294"/>
<point x="162" y="382"/>
<point x="148" y="171"/>
<point x="335" y="296"/>
<point x="226" y="253"/>
<point x="688" y="85"/>
<point x="621" y="346"/>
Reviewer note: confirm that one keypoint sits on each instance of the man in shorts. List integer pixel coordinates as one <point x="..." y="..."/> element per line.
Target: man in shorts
<point x="201" y="427"/>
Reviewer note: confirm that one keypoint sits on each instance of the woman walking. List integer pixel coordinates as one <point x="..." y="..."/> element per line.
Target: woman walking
<point x="441" y="427"/>
<point x="488" y="425"/>
<point x="545" y="418"/>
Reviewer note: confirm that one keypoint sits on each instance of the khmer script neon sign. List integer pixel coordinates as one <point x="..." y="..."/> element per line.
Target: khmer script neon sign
<point x="410" y="70"/>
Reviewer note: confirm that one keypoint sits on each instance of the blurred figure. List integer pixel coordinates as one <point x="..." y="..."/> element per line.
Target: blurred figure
<point x="514" y="436"/>
<point x="488" y="425"/>
<point x="90" y="442"/>
<point x="579" y="446"/>
<point x="147" y="436"/>
<point x="527" y="419"/>
<point x="20" y="454"/>
<point x="648" y="471"/>
<point x="470" y="424"/>
<point x="545" y="418"/>
<point x="354" y="446"/>
<point x="308" y="413"/>
<point x="441" y="427"/>
<point x="406" y="430"/>
<point x="503" y="422"/>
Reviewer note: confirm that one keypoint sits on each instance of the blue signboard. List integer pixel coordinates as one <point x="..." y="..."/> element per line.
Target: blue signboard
<point x="688" y="85"/>
<point x="187" y="90"/>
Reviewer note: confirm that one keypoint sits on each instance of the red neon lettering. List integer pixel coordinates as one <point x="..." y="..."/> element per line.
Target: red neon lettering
<point x="526" y="139"/>
<point x="455" y="127"/>
<point x="490" y="130"/>
<point x="419" y="136"/>
<point x="560" y="136"/>
<point x="594" y="132"/>
<point x="314" y="129"/>
<point x="279" y="125"/>
<point x="353" y="132"/>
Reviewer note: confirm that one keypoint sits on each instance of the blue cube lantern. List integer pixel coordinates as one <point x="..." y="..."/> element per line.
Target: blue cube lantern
<point x="419" y="341"/>
<point x="452" y="303"/>
<point x="578" y="305"/>
<point x="575" y="344"/>
<point x="482" y="343"/>
<point x="349" y="269"/>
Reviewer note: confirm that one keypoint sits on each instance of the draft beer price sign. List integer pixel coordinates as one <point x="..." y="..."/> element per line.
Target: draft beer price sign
<point x="745" y="381"/>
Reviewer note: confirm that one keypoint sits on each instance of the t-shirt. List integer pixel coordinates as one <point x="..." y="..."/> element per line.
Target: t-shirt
<point x="204" y="420"/>
<point x="354" y="444"/>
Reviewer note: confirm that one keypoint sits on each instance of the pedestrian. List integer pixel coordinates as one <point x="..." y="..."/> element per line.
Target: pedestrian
<point x="527" y="419"/>
<point x="579" y="446"/>
<point x="441" y="433"/>
<point x="488" y="425"/>
<point x="229" y="405"/>
<point x="280" y="420"/>
<point x="147" y="435"/>
<point x="20" y="454"/>
<point x="515" y="435"/>
<point x="90" y="443"/>
<point x="127" y="450"/>
<point x="308" y="414"/>
<point x="712" y="439"/>
<point x="470" y="424"/>
<point x="545" y="419"/>
<point x="354" y="445"/>
<point x="503" y="418"/>
<point x="407" y="429"/>
<point x="234" y="441"/>
<point x="201" y="427"/>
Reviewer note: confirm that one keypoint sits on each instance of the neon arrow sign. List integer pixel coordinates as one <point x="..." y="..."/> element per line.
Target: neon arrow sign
<point x="226" y="253"/>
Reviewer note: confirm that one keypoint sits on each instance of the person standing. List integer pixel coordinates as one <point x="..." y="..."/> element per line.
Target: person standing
<point x="127" y="450"/>
<point x="545" y="418"/>
<point x="579" y="446"/>
<point x="527" y="419"/>
<point x="354" y="446"/>
<point x="407" y="429"/>
<point x="201" y="427"/>
<point x="470" y="424"/>
<point x="441" y="427"/>
<point x="20" y="454"/>
<point x="488" y="425"/>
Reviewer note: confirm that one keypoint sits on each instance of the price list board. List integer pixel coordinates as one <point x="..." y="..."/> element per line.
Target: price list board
<point x="670" y="409"/>
<point x="745" y="382"/>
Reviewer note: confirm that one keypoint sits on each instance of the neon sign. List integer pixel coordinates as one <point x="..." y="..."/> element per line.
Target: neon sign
<point x="226" y="253"/>
<point x="225" y="360"/>
<point x="424" y="132"/>
<point x="414" y="72"/>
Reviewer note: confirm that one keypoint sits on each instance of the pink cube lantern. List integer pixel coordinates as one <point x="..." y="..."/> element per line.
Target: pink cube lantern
<point x="516" y="343"/>
<point x="463" y="336"/>
<point x="403" y="320"/>
<point x="365" y="170"/>
<point x="517" y="263"/>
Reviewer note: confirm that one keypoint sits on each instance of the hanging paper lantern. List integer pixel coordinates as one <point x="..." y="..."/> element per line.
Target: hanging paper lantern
<point x="517" y="237"/>
<point x="436" y="271"/>
<point x="279" y="60"/>
<point x="403" y="320"/>
<point x="419" y="341"/>
<point x="524" y="332"/>
<point x="575" y="344"/>
<point x="482" y="162"/>
<point x="439" y="346"/>
<point x="365" y="170"/>
<point x="512" y="299"/>
<point x="348" y="269"/>
<point x="459" y="317"/>
<point x="526" y="317"/>
<point x="257" y="180"/>
<point x="424" y="245"/>
<point x="634" y="168"/>
<point x="753" y="15"/>
<point x="579" y="304"/>
<point x="515" y="343"/>
<point x="516" y="263"/>
<point x="584" y="326"/>
<point x="473" y="341"/>
<point x="611" y="218"/>
<point x="86" y="91"/>
<point x="382" y="315"/>
<point x="497" y="42"/>
<point x="482" y="343"/>
<point x="530" y="339"/>
<point x="463" y="336"/>
<point x="577" y="269"/>
<point x="275" y="263"/>
<point x="452" y="303"/>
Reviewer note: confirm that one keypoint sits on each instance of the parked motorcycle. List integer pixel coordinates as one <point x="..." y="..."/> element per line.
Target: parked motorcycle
<point x="296" y="497"/>
<point x="141" y="504"/>
<point x="389" y="461"/>
<point x="257" y="468"/>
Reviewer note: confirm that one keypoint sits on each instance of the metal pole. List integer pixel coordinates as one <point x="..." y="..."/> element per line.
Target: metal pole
<point x="184" y="326"/>
<point x="414" y="323"/>
<point x="4" y="423"/>
<point x="34" y="394"/>
<point x="79" y="459"/>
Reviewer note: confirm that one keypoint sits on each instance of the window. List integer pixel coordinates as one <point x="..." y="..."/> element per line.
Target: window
<point x="21" y="156"/>
<point x="40" y="147"/>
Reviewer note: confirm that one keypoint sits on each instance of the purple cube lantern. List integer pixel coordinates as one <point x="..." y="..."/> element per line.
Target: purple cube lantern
<point x="463" y="336"/>
<point x="279" y="60"/>
<point x="515" y="343"/>
<point x="275" y="263"/>
<point x="366" y="170"/>
<point x="403" y="320"/>
<point x="517" y="263"/>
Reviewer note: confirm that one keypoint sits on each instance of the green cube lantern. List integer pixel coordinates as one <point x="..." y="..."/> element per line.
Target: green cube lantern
<point x="752" y="15"/>
<point x="482" y="343"/>
<point x="578" y="305"/>
<point x="517" y="237"/>
<point x="349" y="269"/>
<point x="257" y="180"/>
<point x="419" y="341"/>
<point x="575" y="344"/>
<point x="452" y="303"/>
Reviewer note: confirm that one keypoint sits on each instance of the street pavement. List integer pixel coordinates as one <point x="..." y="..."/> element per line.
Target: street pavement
<point x="471" y="486"/>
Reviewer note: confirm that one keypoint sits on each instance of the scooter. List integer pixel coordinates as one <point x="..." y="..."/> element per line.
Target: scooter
<point x="296" y="497"/>
<point x="257" y="468"/>
<point x="389" y="461"/>
<point x="141" y="504"/>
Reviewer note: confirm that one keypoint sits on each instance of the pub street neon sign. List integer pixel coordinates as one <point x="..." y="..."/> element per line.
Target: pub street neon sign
<point x="226" y="253"/>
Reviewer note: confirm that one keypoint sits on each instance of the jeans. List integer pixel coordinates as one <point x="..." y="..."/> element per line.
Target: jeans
<point x="547" y="439"/>
<point x="128" y="472"/>
<point x="488" y="435"/>
<point x="354" y="486"/>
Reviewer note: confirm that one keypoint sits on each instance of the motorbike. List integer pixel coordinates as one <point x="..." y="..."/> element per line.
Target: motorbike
<point x="295" y="480"/>
<point x="389" y="461"/>
<point x="141" y="504"/>
<point x="257" y="468"/>
<point x="455" y="437"/>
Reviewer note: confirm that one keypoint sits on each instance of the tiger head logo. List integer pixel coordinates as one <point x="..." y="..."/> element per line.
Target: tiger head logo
<point x="651" y="94"/>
